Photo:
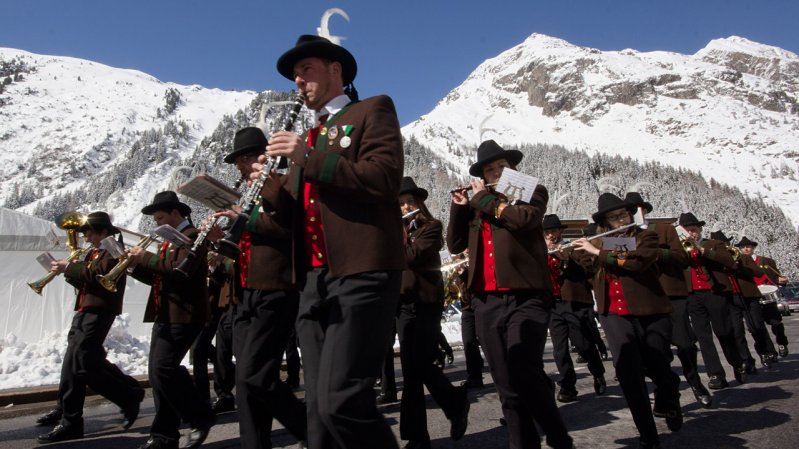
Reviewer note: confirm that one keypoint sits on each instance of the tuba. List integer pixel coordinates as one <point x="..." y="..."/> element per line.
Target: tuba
<point x="70" y="222"/>
<point x="109" y="280"/>
<point x="734" y="252"/>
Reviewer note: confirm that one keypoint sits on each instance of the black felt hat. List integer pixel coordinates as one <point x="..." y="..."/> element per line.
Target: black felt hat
<point x="689" y="219"/>
<point x="635" y="198"/>
<point x="719" y="235"/>
<point x="166" y="201"/>
<point x="746" y="242"/>
<point x="97" y="221"/>
<point x="247" y="140"/>
<point x="308" y="46"/>
<point x="409" y="186"/>
<point x="552" y="221"/>
<point x="608" y="202"/>
<point x="489" y="151"/>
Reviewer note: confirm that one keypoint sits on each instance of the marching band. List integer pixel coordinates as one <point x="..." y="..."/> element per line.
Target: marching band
<point x="293" y="267"/>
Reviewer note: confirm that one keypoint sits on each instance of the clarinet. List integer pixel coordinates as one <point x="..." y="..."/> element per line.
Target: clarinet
<point x="187" y="265"/>
<point x="228" y="246"/>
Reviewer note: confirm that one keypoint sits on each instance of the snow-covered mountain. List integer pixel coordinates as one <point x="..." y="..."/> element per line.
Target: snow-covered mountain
<point x="65" y="120"/>
<point x="729" y="111"/>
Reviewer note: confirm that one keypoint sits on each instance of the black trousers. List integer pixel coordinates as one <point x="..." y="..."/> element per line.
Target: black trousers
<point x="570" y="322"/>
<point x="343" y="326"/>
<point x="85" y="365"/>
<point x="772" y="316"/>
<point x="710" y="314"/>
<point x="641" y="346"/>
<point x="594" y="334"/>
<point x="471" y="346"/>
<point x="512" y="328"/>
<point x="388" y="379"/>
<point x="224" y="368"/>
<point x="202" y="352"/>
<point x="174" y="392"/>
<point x="293" y="362"/>
<point x="418" y="326"/>
<point x="683" y="337"/>
<point x="264" y="320"/>
<point x="747" y="311"/>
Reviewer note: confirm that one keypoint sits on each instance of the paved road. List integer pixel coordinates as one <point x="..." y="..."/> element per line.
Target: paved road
<point x="760" y="414"/>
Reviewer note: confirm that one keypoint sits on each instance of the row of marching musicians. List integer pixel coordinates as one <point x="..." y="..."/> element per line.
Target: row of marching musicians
<point x="671" y="290"/>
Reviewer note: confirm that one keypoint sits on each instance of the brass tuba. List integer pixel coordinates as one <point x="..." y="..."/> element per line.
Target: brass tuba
<point x="109" y="280"/>
<point x="734" y="252"/>
<point x="70" y="222"/>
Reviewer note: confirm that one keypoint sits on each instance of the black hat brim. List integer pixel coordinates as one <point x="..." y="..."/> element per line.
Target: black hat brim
<point x="599" y="215"/>
<point x="694" y="223"/>
<point x="512" y="156"/>
<point x="231" y="158"/>
<point x="418" y="192"/>
<point x="318" y="49"/>
<point x="184" y="209"/>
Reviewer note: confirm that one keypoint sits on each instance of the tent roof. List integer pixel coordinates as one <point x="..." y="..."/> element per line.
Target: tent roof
<point x="21" y="232"/>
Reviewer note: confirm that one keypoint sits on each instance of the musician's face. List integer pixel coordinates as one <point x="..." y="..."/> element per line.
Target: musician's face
<point x="319" y="80"/>
<point x="94" y="238"/>
<point x="171" y="218"/>
<point x="618" y="217"/>
<point x="553" y="235"/>
<point x="694" y="231"/>
<point x="493" y="170"/>
<point x="244" y="163"/>
<point x="747" y="250"/>
<point x="407" y="203"/>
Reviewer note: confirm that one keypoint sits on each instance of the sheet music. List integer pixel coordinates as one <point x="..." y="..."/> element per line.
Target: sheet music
<point x="516" y="186"/>
<point x="111" y="245"/>
<point x="44" y="260"/>
<point x="171" y="235"/>
<point x="445" y="255"/>
<point x="619" y="244"/>
<point x="209" y="191"/>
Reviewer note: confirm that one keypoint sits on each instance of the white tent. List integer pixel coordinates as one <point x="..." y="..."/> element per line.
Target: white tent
<point x="32" y="317"/>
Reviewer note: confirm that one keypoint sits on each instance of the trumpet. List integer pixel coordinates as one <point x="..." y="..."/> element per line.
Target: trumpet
<point x="734" y="252"/>
<point x="69" y="221"/>
<point x="776" y="271"/>
<point x="467" y="188"/>
<point x="688" y="245"/>
<point x="109" y="280"/>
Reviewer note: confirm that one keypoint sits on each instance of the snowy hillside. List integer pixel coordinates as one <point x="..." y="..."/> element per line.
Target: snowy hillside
<point x="729" y="111"/>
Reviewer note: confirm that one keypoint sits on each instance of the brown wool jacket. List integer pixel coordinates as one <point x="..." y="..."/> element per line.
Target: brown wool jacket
<point x="182" y="300"/>
<point x="638" y="274"/>
<point x="423" y="280"/>
<point x="770" y="268"/>
<point x="222" y="285"/>
<point x="270" y="254"/>
<point x="358" y="190"/>
<point x="672" y="260"/>
<point x="716" y="261"/>
<point x="83" y="275"/>
<point x="745" y="273"/>
<point x="519" y="247"/>
<point x="575" y="285"/>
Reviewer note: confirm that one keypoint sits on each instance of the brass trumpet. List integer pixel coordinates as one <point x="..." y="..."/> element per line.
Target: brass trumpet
<point x="70" y="222"/>
<point x="734" y="252"/>
<point x="109" y="280"/>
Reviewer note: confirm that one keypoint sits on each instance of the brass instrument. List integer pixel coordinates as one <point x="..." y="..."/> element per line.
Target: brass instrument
<point x="734" y="252"/>
<point x="688" y="244"/>
<point x="70" y="222"/>
<point x="452" y="291"/>
<point x="109" y="280"/>
<point x="776" y="271"/>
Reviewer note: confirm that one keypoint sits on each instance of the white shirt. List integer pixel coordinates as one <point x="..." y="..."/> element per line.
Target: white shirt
<point x="332" y="107"/>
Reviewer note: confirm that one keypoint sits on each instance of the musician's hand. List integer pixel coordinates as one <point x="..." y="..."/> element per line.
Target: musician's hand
<point x="782" y="280"/>
<point x="215" y="234"/>
<point x="136" y="254"/>
<point x="584" y="245"/>
<point x="288" y="144"/>
<point x="460" y="197"/>
<point x="477" y="185"/>
<point x="59" y="266"/>
<point x="231" y="214"/>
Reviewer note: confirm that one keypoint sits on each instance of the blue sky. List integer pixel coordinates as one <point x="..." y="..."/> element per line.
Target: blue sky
<point x="416" y="51"/>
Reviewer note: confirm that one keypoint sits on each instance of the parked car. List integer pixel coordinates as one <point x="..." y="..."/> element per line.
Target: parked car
<point x="790" y="295"/>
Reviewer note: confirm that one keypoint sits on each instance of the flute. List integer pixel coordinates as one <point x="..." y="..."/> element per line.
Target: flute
<point x="467" y="188"/>
<point x="612" y="231"/>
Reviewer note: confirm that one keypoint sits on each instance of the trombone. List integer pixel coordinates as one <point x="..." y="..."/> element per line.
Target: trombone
<point x="70" y="222"/>
<point x="109" y="280"/>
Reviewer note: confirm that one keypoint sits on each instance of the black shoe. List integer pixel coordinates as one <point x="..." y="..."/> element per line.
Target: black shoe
<point x="198" y="434"/>
<point x="740" y="374"/>
<point x="223" y="404"/>
<point x="62" y="433"/>
<point x="580" y="359"/>
<point x="769" y="359"/>
<point x="450" y="358"/>
<point x="51" y="418"/>
<point x="674" y="420"/>
<point x="131" y="412"/>
<point x="600" y="386"/>
<point x="573" y="349"/>
<point x="159" y="443"/>
<point x="502" y="422"/>
<point x="749" y="367"/>
<point x="387" y="397"/>
<point x="648" y="445"/>
<point x="604" y="355"/>
<point x="378" y="381"/>
<point x="702" y="396"/>
<point x="783" y="350"/>
<point x="460" y="421"/>
<point x="717" y="383"/>
<point x="473" y="383"/>
<point x="417" y="445"/>
<point x="567" y="395"/>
